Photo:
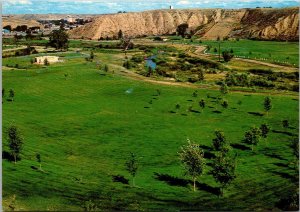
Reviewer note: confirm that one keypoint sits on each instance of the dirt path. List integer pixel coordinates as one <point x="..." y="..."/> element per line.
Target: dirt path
<point x="14" y="49"/>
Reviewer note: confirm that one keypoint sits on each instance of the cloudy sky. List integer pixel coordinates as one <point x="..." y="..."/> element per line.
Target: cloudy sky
<point x="113" y="6"/>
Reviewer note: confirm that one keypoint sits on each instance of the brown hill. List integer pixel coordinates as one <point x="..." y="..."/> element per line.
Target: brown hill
<point x="268" y="24"/>
<point x="14" y="22"/>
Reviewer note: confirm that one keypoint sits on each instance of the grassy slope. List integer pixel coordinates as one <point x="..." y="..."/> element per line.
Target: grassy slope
<point x="273" y="51"/>
<point x="84" y="127"/>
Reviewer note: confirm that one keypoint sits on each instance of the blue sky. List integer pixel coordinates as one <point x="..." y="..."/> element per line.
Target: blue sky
<point x="113" y="6"/>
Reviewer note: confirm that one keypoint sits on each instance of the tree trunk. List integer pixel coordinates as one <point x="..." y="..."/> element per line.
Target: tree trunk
<point x="194" y="184"/>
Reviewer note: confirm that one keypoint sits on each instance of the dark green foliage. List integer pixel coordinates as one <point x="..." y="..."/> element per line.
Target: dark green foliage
<point x="253" y="136"/>
<point x="192" y="159"/>
<point x="265" y="129"/>
<point x="224" y="104"/>
<point x="195" y="94"/>
<point x="237" y="79"/>
<point x="219" y="142"/>
<point x="91" y="55"/>
<point x="15" y="141"/>
<point x="131" y="166"/>
<point x="267" y="104"/>
<point x="157" y="38"/>
<point x="223" y="170"/>
<point x="181" y="29"/>
<point x="46" y="62"/>
<point x="202" y="103"/>
<point x="127" y="64"/>
<point x="227" y="56"/>
<point x="11" y="94"/>
<point x="177" y="106"/>
<point x="137" y="58"/>
<point x="215" y="50"/>
<point x="285" y="123"/>
<point x="120" y="34"/>
<point x="58" y="39"/>
<point x="106" y="68"/>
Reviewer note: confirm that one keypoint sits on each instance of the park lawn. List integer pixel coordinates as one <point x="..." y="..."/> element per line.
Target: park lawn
<point x="85" y="125"/>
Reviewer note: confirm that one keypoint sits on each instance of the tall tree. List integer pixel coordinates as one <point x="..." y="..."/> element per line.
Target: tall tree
<point x="182" y="29"/>
<point x="132" y="166"/>
<point x="285" y="123"/>
<point x="223" y="170"/>
<point x="253" y="136"/>
<point x="59" y="39"/>
<point x="192" y="159"/>
<point x="15" y="142"/>
<point x="267" y="104"/>
<point x="224" y="104"/>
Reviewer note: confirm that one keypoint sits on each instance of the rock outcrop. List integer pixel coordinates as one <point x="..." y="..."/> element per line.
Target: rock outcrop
<point x="265" y="23"/>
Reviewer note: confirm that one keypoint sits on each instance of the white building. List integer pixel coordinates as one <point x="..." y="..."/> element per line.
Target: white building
<point x="50" y="59"/>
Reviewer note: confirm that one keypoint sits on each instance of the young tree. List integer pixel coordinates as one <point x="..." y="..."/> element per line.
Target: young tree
<point x="265" y="129"/>
<point x="46" y="62"/>
<point x="220" y="143"/>
<point x="106" y="69"/>
<point x="177" y="106"/>
<point x="195" y="94"/>
<point x="91" y="55"/>
<point x="15" y="142"/>
<point x="120" y="34"/>
<point x="39" y="160"/>
<point x="132" y="166"/>
<point x="285" y="123"/>
<point x="225" y="104"/>
<point x="227" y="56"/>
<point x="192" y="159"/>
<point x="224" y="88"/>
<point x="181" y="29"/>
<point x="3" y="92"/>
<point x="253" y="136"/>
<point x="202" y="104"/>
<point x="11" y="94"/>
<point x="267" y="104"/>
<point x="224" y="170"/>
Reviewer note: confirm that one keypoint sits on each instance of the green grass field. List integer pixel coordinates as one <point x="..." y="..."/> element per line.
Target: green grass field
<point x="270" y="51"/>
<point x="85" y="126"/>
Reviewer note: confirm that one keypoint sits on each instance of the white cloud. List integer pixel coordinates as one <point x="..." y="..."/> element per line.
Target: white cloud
<point x="184" y="2"/>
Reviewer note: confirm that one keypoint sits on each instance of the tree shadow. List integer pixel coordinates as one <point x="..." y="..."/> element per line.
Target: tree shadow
<point x="195" y="111"/>
<point x="154" y="98"/>
<point x="8" y="156"/>
<point x="247" y="95"/>
<point x="175" y="181"/>
<point x="183" y="114"/>
<point x="146" y="107"/>
<point x="273" y="155"/>
<point x="170" y="180"/>
<point x="209" y="155"/>
<point x="283" y="165"/>
<point x="217" y="111"/>
<point x="120" y="179"/>
<point x="240" y="146"/>
<point x="189" y="100"/>
<point x="256" y="113"/>
<point x="283" y="132"/>
<point x="284" y="175"/>
<point x="34" y="167"/>
<point x="206" y="147"/>
<point x="171" y="111"/>
<point x="211" y="107"/>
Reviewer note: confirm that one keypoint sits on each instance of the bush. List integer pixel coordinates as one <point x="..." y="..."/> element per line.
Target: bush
<point x="227" y="56"/>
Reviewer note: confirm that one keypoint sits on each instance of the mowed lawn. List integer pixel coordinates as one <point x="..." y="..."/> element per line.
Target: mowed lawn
<point x="85" y="125"/>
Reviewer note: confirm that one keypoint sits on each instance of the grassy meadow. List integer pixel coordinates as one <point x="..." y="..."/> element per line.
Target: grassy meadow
<point x="84" y="122"/>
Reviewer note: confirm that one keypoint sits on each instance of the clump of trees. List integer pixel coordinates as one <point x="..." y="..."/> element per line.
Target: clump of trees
<point x="224" y="88"/>
<point x="227" y="55"/>
<point x="192" y="159"/>
<point x="58" y="39"/>
<point x="182" y="29"/>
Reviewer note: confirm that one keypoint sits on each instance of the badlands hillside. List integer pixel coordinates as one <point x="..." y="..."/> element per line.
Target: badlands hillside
<point x="265" y="23"/>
